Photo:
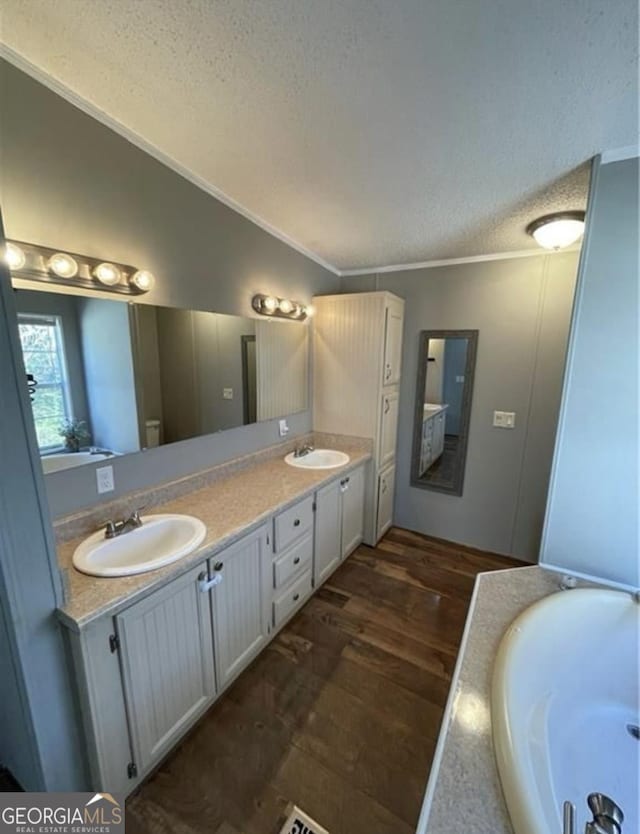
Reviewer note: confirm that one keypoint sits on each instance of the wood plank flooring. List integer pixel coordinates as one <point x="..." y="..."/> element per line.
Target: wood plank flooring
<point x="340" y="714"/>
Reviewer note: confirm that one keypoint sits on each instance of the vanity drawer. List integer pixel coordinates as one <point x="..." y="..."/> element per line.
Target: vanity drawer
<point x="296" y="558"/>
<point x="293" y="523"/>
<point x="294" y="596"/>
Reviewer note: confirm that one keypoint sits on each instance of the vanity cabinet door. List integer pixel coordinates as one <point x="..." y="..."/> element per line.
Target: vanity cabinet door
<point x="388" y="428"/>
<point x="167" y="664"/>
<point x="328" y="533"/>
<point x="394" y="315"/>
<point x="241" y="603"/>
<point x="352" y="511"/>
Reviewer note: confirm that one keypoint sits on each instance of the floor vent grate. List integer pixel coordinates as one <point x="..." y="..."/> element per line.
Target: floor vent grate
<point x="300" y="823"/>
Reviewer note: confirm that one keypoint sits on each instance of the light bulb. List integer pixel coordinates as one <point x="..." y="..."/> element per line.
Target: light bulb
<point x="14" y="256"/>
<point x="143" y="280"/>
<point x="107" y="274"/>
<point x="286" y="306"/>
<point x="64" y="266"/>
<point x="269" y="304"/>
<point x="557" y="231"/>
<point x="308" y="310"/>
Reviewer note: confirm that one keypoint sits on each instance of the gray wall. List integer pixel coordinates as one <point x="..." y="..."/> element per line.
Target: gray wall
<point x="39" y="733"/>
<point x="592" y="517"/>
<point x="70" y="182"/>
<point x="521" y="308"/>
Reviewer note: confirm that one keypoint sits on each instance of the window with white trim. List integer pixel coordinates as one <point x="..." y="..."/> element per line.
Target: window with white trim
<point x="43" y="352"/>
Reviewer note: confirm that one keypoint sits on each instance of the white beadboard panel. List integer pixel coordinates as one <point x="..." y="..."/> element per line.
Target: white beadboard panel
<point x="348" y="353"/>
<point x="167" y="657"/>
<point x="394" y="319"/>
<point x="352" y="511"/>
<point x="240" y="604"/>
<point x="282" y="364"/>
<point x="328" y="531"/>
<point x="388" y="426"/>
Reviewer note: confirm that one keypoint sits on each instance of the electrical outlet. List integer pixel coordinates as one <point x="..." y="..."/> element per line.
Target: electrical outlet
<point x="227" y="393"/>
<point x="460" y="379"/>
<point x="104" y="478"/>
<point x="283" y="428"/>
<point x="504" y="419"/>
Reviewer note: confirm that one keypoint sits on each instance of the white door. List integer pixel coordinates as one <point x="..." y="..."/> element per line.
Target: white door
<point x="386" y="485"/>
<point x="241" y="603"/>
<point x="394" y="315"/>
<point x="328" y="533"/>
<point x="388" y="428"/>
<point x="167" y="663"/>
<point x="352" y="490"/>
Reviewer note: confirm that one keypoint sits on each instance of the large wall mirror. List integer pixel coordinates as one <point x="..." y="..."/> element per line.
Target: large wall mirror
<point x="446" y="366"/>
<point x="110" y="378"/>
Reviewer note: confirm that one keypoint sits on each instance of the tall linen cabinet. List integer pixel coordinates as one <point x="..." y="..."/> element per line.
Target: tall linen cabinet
<point x="357" y="352"/>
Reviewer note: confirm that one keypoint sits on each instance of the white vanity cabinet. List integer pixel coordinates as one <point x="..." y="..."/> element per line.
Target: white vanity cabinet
<point x="357" y="340"/>
<point x="166" y="653"/>
<point x="433" y="426"/>
<point x="339" y="522"/>
<point x="240" y="604"/>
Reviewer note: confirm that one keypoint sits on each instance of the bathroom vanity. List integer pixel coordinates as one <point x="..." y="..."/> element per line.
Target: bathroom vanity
<point x="152" y="652"/>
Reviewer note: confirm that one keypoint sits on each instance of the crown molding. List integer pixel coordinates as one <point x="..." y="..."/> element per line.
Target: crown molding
<point x="90" y="109"/>
<point x="471" y="259"/>
<point x="618" y="154"/>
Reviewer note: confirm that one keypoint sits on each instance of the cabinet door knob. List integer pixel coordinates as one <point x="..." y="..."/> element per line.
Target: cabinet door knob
<point x="296" y="597"/>
<point x="296" y="523"/>
<point x="218" y="566"/>
<point x="387" y="406"/>
<point x="296" y="561"/>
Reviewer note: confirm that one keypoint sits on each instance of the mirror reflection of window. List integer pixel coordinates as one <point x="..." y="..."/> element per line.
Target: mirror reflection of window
<point x="443" y="403"/>
<point x="43" y="352"/>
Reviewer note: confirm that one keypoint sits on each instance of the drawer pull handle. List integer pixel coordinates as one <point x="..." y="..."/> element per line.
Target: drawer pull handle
<point x="296" y="561"/>
<point x="296" y="523"/>
<point x="296" y="597"/>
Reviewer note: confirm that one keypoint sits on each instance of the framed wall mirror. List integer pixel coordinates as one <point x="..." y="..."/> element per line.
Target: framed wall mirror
<point x="120" y="377"/>
<point x="444" y="391"/>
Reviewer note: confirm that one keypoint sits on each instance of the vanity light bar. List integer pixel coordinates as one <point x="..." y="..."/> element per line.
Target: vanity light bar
<point x="50" y="266"/>
<point x="283" y="308"/>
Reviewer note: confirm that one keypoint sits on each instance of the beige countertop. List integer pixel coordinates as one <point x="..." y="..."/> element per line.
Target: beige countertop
<point x="464" y="795"/>
<point x="230" y="507"/>
<point x="431" y="409"/>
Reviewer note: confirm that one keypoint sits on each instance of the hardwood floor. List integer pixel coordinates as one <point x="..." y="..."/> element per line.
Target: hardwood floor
<point x="340" y="714"/>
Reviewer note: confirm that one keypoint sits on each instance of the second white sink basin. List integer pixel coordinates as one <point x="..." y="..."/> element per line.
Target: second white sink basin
<point x="318" y="459"/>
<point x="160" y="540"/>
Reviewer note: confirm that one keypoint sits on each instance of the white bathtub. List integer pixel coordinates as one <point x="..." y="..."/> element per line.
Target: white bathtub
<point x="67" y="460"/>
<point x="565" y="689"/>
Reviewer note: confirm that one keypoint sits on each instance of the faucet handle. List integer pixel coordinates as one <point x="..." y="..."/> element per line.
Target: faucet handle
<point x="110" y="529"/>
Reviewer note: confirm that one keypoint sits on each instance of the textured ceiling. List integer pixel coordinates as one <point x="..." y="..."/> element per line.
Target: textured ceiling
<point x="370" y="132"/>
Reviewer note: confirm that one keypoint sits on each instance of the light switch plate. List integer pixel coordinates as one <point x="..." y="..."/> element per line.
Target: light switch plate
<point x="504" y="419"/>
<point x="283" y="428"/>
<point x="227" y="393"/>
<point x="104" y="478"/>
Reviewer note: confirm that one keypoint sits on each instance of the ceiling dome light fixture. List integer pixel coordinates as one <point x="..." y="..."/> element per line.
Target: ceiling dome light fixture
<point x="108" y="274"/>
<point x="557" y="231"/>
<point x="143" y="280"/>
<point x="64" y="266"/>
<point x="14" y="256"/>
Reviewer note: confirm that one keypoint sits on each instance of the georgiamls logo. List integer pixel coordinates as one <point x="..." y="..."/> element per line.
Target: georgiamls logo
<point x="99" y="813"/>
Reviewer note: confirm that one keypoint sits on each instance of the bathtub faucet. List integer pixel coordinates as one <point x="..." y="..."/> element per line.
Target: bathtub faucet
<point x="607" y="816"/>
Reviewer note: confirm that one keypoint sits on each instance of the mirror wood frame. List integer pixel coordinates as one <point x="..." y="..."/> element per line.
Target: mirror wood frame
<point x="457" y="486"/>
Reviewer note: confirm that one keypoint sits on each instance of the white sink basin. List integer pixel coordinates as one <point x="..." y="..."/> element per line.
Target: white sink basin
<point x="162" y="539"/>
<point x="318" y="459"/>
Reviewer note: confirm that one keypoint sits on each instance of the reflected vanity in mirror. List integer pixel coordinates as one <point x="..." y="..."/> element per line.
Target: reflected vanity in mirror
<point x="120" y="377"/>
<point x="446" y="366"/>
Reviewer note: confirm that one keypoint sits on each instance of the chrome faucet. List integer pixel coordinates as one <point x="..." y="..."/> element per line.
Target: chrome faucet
<point x="607" y="816"/>
<point x="114" y="529"/>
<point x="303" y="450"/>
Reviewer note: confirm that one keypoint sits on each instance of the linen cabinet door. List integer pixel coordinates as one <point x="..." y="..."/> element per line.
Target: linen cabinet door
<point x="352" y="511"/>
<point x="394" y="317"/>
<point x="166" y="653"/>
<point x="328" y="532"/>
<point x="388" y="428"/>
<point x="386" y="486"/>
<point x="241" y="603"/>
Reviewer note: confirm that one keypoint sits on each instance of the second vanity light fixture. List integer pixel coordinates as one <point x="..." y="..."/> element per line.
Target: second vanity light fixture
<point x="284" y="308"/>
<point x="39" y="263"/>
